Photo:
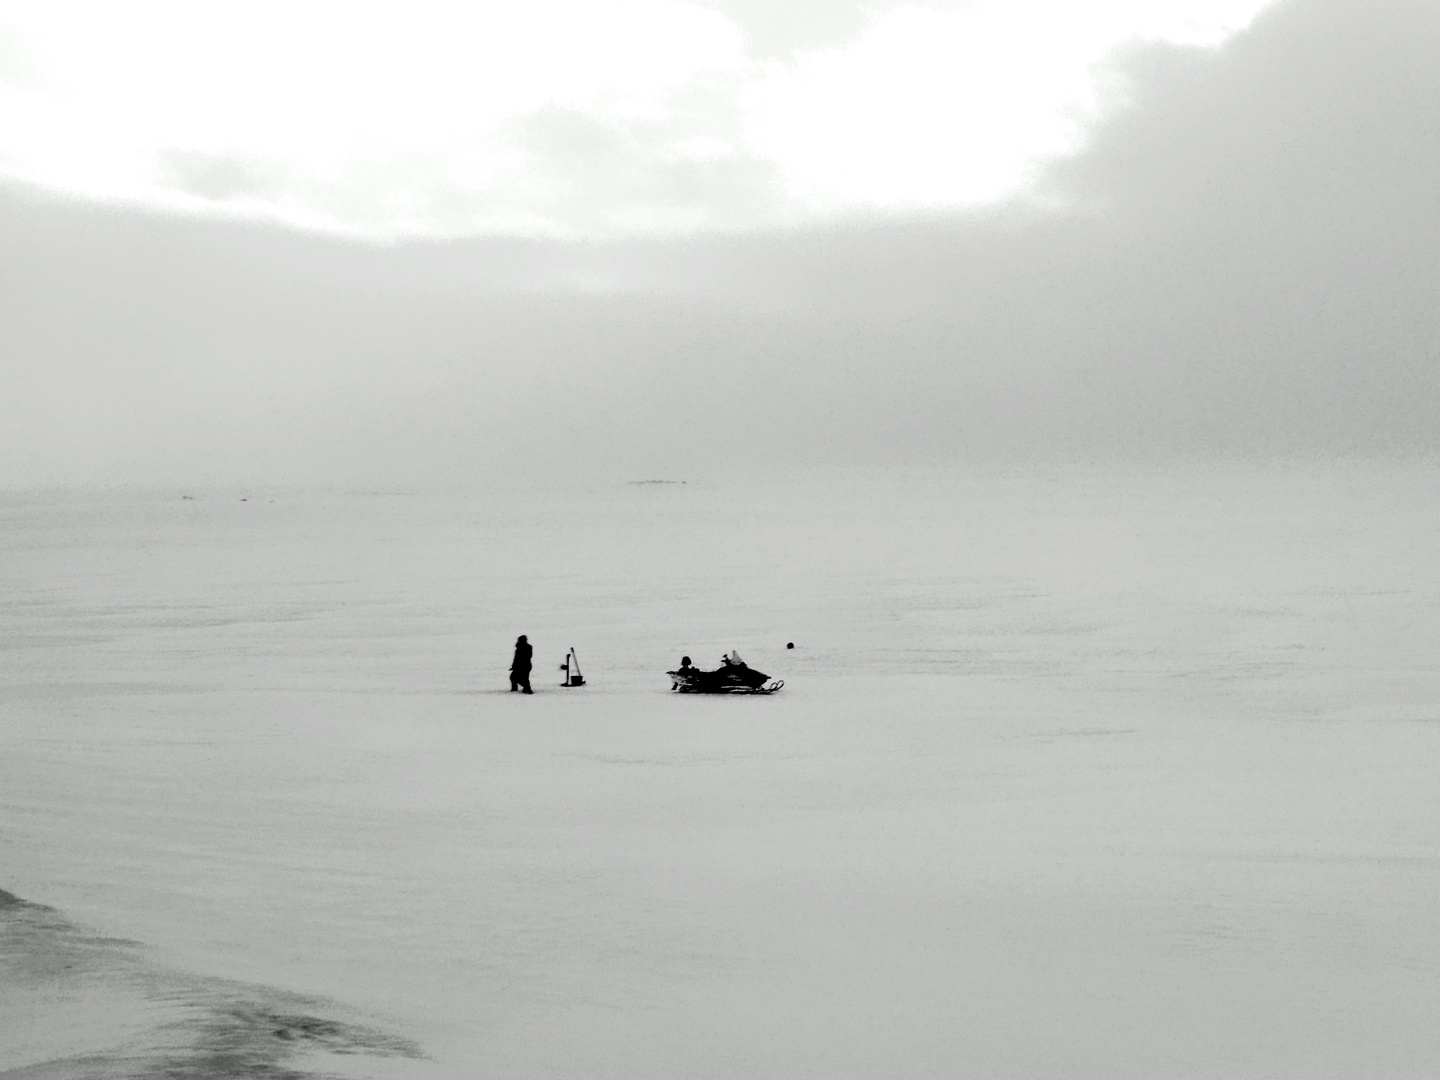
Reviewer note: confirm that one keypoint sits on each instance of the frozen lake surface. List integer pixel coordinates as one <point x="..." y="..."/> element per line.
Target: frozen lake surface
<point x="1076" y="773"/>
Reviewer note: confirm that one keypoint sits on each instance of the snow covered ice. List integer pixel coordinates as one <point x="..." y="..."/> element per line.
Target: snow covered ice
<point x="1082" y="773"/>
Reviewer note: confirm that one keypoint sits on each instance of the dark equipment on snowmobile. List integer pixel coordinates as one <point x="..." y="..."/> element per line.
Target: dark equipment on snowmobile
<point x="732" y="677"/>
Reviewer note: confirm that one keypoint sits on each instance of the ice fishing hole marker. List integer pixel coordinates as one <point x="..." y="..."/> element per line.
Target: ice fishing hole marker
<point x="571" y="667"/>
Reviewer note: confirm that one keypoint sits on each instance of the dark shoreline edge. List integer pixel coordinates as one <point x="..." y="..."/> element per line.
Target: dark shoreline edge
<point x="157" y="1022"/>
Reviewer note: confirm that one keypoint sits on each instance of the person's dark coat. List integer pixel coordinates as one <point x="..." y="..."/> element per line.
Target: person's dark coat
<point x="523" y="653"/>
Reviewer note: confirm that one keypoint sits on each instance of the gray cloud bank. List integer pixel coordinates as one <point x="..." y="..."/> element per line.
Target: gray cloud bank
<point x="1248" y="262"/>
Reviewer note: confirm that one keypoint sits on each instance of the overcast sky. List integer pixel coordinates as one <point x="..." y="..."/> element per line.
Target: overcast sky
<point x="293" y="242"/>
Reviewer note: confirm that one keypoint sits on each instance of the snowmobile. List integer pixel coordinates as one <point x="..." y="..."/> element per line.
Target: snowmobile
<point x="733" y="676"/>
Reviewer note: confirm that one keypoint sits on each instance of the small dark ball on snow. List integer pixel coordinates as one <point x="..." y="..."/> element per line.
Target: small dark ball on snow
<point x="789" y="644"/>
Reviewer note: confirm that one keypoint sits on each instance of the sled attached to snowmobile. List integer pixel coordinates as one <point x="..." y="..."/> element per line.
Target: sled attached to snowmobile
<point x="733" y="676"/>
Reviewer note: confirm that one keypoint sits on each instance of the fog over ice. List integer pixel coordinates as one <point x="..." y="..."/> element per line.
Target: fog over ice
<point x="1241" y="261"/>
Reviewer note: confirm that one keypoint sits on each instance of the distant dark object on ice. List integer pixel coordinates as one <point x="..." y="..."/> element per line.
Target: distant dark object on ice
<point x="733" y="676"/>
<point x="789" y="644"/>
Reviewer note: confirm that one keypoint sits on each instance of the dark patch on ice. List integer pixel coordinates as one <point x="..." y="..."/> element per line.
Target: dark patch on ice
<point x="243" y="1041"/>
<point x="243" y="1037"/>
<point x="151" y="1022"/>
<point x="37" y="942"/>
<point x="1239" y="670"/>
<point x="1082" y="733"/>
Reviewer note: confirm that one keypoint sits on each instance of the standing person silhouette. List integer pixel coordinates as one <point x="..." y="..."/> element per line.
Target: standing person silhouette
<point x="520" y="666"/>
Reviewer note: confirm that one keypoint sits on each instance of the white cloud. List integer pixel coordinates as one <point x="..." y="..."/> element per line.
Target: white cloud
<point x="439" y="118"/>
<point x="938" y="108"/>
